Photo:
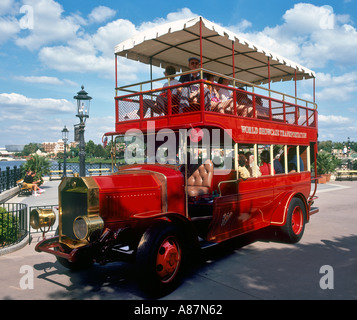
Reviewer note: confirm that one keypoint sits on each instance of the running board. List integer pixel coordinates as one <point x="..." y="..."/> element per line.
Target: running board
<point x="206" y="244"/>
<point x="314" y="210"/>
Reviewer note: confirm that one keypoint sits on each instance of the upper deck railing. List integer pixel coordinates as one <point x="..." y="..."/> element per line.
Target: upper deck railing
<point x="142" y="102"/>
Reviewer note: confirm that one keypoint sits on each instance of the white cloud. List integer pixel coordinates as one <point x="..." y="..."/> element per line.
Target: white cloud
<point x="101" y="14"/>
<point x="333" y="120"/>
<point x="22" y="106"/>
<point x="94" y="53"/>
<point x="311" y="35"/>
<point x="9" y="27"/>
<point x="46" y="80"/>
<point x="49" y="26"/>
<point x="6" y="6"/>
<point x="336" y="88"/>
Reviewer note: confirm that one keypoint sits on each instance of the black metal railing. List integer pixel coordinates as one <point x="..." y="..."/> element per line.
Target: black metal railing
<point x="13" y="223"/>
<point x="72" y="168"/>
<point x="8" y="177"/>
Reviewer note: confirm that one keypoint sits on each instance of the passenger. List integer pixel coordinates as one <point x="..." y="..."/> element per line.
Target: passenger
<point x="226" y="97"/>
<point x="260" y="110"/>
<point x="244" y="104"/>
<point x="251" y="165"/>
<point x="191" y="94"/>
<point x="242" y="170"/>
<point x="193" y="63"/>
<point x="214" y="96"/>
<point x="161" y="100"/>
<point x="29" y="180"/>
<point x="292" y="161"/>
<point x="277" y="164"/>
<point x="265" y="167"/>
<point x="160" y="105"/>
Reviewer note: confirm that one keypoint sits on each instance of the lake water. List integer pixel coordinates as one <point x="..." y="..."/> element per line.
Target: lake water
<point x="11" y="164"/>
<point x="55" y="166"/>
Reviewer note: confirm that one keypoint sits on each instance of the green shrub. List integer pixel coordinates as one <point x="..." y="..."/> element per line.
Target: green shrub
<point x="326" y="163"/>
<point x="9" y="227"/>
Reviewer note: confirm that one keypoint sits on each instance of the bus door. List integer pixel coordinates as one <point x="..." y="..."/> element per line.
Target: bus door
<point x="244" y="203"/>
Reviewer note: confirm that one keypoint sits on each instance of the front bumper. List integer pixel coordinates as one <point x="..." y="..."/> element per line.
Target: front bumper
<point x="53" y="246"/>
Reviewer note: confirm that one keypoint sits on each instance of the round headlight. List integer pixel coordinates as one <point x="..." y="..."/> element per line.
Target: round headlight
<point x="84" y="227"/>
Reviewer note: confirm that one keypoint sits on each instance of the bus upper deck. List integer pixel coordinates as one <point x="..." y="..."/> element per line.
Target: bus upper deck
<point x="241" y="66"/>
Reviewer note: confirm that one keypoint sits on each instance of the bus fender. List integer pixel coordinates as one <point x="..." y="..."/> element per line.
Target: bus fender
<point x="279" y="215"/>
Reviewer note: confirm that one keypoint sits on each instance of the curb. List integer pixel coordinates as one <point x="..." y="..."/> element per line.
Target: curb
<point x="8" y="194"/>
<point x="15" y="247"/>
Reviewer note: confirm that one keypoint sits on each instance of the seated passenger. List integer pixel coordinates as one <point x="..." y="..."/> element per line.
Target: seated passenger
<point x="159" y="106"/>
<point x="244" y="104"/>
<point x="226" y="97"/>
<point x="251" y="165"/>
<point x="242" y="170"/>
<point x="265" y="168"/>
<point x="161" y="100"/>
<point x="292" y="161"/>
<point x="191" y="94"/>
<point x="214" y="96"/>
<point x="260" y="110"/>
<point x="277" y="164"/>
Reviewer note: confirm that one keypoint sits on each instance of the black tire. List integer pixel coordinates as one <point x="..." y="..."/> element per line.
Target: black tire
<point x="294" y="227"/>
<point x="160" y="259"/>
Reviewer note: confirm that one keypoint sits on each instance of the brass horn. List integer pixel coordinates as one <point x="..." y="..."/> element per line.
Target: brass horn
<point x="42" y="218"/>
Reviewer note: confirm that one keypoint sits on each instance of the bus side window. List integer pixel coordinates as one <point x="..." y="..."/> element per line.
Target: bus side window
<point x="278" y="159"/>
<point x="265" y="157"/>
<point x="293" y="155"/>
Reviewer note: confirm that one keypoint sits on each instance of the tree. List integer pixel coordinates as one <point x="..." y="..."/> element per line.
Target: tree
<point x="90" y="148"/>
<point x="38" y="164"/>
<point x="326" y="163"/>
<point x="31" y="148"/>
<point x="99" y="151"/>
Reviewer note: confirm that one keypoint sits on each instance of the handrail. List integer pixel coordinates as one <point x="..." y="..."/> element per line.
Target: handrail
<point x="234" y="80"/>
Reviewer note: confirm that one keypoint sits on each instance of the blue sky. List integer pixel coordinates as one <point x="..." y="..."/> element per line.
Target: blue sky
<point x="48" y="49"/>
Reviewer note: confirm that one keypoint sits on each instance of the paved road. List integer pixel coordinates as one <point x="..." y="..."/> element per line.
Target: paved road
<point x="249" y="268"/>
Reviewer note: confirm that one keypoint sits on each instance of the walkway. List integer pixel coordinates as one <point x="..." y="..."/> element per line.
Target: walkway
<point x="253" y="267"/>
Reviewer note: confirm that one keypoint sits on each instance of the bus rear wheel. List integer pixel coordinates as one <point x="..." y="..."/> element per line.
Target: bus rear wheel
<point x="294" y="227"/>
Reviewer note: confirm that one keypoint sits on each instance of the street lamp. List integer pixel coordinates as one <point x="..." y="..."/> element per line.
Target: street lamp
<point x="65" y="139"/>
<point x="83" y="104"/>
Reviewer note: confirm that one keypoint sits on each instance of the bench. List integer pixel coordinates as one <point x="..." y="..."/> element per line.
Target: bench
<point x="25" y="189"/>
<point x="99" y="171"/>
<point x="57" y="174"/>
<point x="348" y="174"/>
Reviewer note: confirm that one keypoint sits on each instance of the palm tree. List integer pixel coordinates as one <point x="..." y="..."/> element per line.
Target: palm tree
<point x="38" y="164"/>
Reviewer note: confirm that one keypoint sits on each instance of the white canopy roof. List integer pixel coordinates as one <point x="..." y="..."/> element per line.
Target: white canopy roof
<point x="174" y="43"/>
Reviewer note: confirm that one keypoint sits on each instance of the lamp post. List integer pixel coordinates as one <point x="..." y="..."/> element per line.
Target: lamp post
<point x="83" y="104"/>
<point x="65" y="139"/>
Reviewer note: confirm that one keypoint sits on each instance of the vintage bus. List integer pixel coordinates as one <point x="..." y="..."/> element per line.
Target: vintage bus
<point x="197" y="161"/>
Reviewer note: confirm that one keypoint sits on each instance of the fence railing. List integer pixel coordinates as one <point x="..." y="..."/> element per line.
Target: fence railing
<point x="8" y="177"/>
<point x="13" y="223"/>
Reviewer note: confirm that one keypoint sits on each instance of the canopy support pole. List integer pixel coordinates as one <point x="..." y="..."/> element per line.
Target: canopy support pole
<point x="201" y="47"/>
<point x="151" y="73"/>
<point x="269" y="74"/>
<point x="234" y="80"/>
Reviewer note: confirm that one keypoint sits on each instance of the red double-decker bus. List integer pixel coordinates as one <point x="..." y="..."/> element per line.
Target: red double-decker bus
<point x="206" y="153"/>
